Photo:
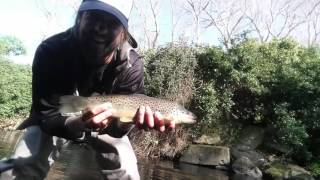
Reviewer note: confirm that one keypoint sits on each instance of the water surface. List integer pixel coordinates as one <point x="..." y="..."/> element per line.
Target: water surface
<point x="77" y="162"/>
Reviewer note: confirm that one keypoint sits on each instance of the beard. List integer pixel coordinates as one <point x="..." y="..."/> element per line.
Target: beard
<point x="95" y="52"/>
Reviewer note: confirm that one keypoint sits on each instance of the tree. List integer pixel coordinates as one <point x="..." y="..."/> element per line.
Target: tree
<point x="175" y="18"/>
<point x="148" y="12"/>
<point x="54" y="12"/>
<point x="10" y="45"/>
<point x="196" y="8"/>
<point x="228" y="18"/>
<point x="313" y="23"/>
<point x="283" y="19"/>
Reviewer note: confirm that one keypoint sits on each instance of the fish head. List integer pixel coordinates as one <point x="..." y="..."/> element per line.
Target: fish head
<point x="183" y="116"/>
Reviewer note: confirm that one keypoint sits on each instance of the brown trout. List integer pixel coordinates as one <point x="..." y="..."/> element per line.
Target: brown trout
<point x="126" y="106"/>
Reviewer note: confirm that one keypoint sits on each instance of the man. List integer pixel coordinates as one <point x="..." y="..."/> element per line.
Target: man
<point x="94" y="56"/>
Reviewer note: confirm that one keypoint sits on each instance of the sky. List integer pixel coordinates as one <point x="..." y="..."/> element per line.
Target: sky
<point x="26" y="20"/>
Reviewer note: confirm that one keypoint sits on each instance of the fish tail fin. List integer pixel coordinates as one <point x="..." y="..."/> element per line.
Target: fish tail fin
<point x="70" y="104"/>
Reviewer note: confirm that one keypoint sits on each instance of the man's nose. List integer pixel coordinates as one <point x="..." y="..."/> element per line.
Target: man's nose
<point x="100" y="28"/>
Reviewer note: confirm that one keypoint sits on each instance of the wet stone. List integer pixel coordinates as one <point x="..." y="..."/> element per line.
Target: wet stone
<point x="206" y="155"/>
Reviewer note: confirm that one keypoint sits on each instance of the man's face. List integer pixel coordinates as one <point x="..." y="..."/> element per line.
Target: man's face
<point x="99" y="35"/>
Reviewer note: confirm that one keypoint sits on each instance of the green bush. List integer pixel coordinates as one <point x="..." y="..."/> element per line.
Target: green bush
<point x="15" y="89"/>
<point x="10" y="45"/>
<point x="169" y="72"/>
<point x="314" y="167"/>
<point x="275" y="84"/>
<point x="290" y="131"/>
<point x="205" y="106"/>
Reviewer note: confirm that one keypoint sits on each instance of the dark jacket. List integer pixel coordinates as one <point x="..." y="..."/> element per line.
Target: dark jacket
<point x="58" y="69"/>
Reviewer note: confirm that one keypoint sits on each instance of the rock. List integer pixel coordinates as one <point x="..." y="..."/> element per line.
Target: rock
<point x="271" y="158"/>
<point x="315" y="148"/>
<point x="206" y="155"/>
<point x="244" y="166"/>
<point x="254" y="156"/>
<point x="287" y="171"/>
<point x="212" y="139"/>
<point x="205" y="172"/>
<point x="302" y="177"/>
<point x="243" y="177"/>
<point x="251" y="137"/>
<point x="275" y="146"/>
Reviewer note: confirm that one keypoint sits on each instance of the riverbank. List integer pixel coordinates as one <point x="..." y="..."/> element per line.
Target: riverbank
<point x="252" y="155"/>
<point x="10" y="124"/>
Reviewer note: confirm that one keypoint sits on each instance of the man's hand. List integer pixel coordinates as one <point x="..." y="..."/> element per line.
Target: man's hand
<point x="145" y="118"/>
<point x="98" y="117"/>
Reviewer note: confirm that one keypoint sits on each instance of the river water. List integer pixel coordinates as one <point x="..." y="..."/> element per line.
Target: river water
<point x="76" y="162"/>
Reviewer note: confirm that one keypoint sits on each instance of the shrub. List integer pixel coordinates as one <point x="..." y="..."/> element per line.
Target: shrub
<point x="314" y="167"/>
<point x="273" y="84"/>
<point x="169" y="72"/>
<point x="15" y="89"/>
<point x="205" y="105"/>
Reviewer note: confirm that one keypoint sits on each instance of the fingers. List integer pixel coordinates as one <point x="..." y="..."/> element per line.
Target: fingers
<point x="146" y="118"/>
<point x="98" y="117"/>
<point x="149" y="117"/>
<point x="159" y="122"/>
<point x="89" y="113"/>
<point x="172" y="125"/>
<point x="140" y="116"/>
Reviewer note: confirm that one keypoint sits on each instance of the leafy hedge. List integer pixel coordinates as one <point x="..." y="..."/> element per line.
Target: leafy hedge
<point x="15" y="89"/>
<point x="169" y="72"/>
<point x="275" y="85"/>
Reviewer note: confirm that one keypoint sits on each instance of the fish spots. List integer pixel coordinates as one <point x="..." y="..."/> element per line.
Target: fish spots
<point x="127" y="105"/>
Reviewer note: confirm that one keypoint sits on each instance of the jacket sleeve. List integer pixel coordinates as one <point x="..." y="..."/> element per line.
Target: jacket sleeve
<point x="130" y="80"/>
<point x="49" y="82"/>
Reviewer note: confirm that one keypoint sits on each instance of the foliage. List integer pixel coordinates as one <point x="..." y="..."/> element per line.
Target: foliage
<point x="273" y="84"/>
<point x="205" y="105"/>
<point x="290" y="131"/>
<point x="15" y="89"/>
<point x="10" y="45"/>
<point x="169" y="72"/>
<point x="314" y="167"/>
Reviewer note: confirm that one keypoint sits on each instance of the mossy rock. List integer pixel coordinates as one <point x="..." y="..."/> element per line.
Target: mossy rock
<point x="279" y="171"/>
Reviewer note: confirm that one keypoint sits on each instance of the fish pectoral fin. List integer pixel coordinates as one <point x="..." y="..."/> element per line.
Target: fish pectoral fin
<point x="126" y="119"/>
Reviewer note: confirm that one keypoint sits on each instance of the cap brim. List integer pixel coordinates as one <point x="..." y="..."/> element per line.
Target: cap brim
<point x="132" y="41"/>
